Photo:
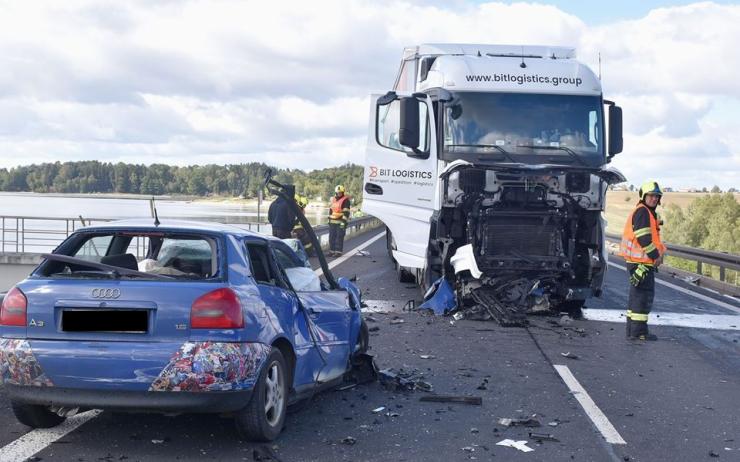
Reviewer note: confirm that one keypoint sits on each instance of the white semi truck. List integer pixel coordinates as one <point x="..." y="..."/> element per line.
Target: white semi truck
<point x="488" y="166"/>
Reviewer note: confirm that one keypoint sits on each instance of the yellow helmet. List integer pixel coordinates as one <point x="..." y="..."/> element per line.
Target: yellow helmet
<point x="339" y="189"/>
<point x="650" y="187"/>
<point x="302" y="201"/>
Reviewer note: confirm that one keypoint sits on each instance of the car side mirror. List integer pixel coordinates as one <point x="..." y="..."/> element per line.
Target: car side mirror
<point x="615" y="130"/>
<point x="408" y="134"/>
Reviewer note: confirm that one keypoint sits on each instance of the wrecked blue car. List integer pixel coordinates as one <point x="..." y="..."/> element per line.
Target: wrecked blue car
<point x="180" y="317"/>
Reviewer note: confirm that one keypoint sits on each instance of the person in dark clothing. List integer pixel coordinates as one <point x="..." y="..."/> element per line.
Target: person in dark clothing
<point x="281" y="215"/>
<point x="643" y="251"/>
<point x="298" y="231"/>
<point x="339" y="213"/>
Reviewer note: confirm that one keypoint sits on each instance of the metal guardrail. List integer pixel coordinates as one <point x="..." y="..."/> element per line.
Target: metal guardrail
<point x="34" y="235"/>
<point x="722" y="260"/>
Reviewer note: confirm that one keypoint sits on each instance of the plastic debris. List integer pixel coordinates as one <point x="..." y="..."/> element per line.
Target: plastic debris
<point x="362" y="253"/>
<point x="440" y="298"/>
<point x="474" y="400"/>
<point x="378" y="410"/>
<point x="468" y="449"/>
<point x="458" y="315"/>
<point x="397" y="321"/>
<point x="157" y="441"/>
<point x="554" y="423"/>
<point x="507" y="422"/>
<point x="427" y="356"/>
<point x="569" y="355"/>
<point x="403" y="380"/>
<point x="520" y="445"/>
<point x="542" y="437"/>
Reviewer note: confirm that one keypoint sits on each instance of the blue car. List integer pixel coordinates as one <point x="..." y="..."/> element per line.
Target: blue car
<point x="179" y="317"/>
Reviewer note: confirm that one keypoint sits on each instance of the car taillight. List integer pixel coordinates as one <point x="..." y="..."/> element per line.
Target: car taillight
<point x="13" y="310"/>
<point x="219" y="309"/>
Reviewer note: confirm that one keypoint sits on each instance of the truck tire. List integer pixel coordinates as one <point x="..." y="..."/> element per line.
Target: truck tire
<point x="574" y="308"/>
<point x="363" y="339"/>
<point x="257" y="421"/>
<point x="389" y="243"/>
<point x="35" y="416"/>
<point x="404" y="275"/>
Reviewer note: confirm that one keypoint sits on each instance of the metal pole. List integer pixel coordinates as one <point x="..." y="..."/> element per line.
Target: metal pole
<point x="259" y="208"/>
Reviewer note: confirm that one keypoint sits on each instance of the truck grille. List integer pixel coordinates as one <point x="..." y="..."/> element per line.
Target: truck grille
<point x="507" y="236"/>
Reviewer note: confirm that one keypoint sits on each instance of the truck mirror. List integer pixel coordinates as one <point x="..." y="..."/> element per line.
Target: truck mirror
<point x="408" y="134"/>
<point x="615" y="130"/>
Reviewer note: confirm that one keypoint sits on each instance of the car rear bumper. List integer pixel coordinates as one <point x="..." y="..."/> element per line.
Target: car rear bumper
<point x="132" y="401"/>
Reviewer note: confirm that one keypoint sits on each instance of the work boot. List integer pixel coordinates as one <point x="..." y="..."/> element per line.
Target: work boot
<point x="629" y="328"/>
<point x="337" y="254"/>
<point x="645" y="337"/>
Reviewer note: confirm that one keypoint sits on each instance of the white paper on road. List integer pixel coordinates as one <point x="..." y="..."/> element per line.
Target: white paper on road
<point x="658" y="318"/>
<point x="520" y="445"/>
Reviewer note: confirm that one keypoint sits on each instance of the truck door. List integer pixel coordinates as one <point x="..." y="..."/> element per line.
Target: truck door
<point x="400" y="184"/>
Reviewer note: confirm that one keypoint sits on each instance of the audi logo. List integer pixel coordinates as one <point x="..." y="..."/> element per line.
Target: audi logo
<point x="106" y="293"/>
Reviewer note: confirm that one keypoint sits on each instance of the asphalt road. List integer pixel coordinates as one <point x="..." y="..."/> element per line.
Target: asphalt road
<point x="676" y="399"/>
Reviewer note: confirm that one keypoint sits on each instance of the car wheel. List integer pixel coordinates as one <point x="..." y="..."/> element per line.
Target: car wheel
<point x="36" y="416"/>
<point x="574" y="308"/>
<point x="363" y="339"/>
<point x="264" y="416"/>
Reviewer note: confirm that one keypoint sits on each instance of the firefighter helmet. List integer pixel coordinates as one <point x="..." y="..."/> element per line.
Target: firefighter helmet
<point x="339" y="189"/>
<point x="650" y="187"/>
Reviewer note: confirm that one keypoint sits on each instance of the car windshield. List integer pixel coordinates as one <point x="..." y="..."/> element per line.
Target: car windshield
<point x="524" y="128"/>
<point x="177" y="256"/>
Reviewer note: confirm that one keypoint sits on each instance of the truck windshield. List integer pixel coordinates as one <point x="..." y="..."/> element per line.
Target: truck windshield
<point x="525" y="128"/>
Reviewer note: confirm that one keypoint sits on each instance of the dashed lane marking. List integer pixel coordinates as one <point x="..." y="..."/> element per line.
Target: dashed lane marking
<point x="688" y="292"/>
<point x="592" y="410"/>
<point x="36" y="440"/>
<point x="660" y="318"/>
<point x="350" y="254"/>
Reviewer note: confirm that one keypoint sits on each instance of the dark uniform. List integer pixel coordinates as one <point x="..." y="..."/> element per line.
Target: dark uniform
<point x="298" y="231"/>
<point x="643" y="250"/>
<point x="281" y="215"/>
<point x="339" y="213"/>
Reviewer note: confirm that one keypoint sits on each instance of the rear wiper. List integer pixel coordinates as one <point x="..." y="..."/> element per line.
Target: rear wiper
<point x="114" y="271"/>
<point x="569" y="151"/>
<point x="498" y="148"/>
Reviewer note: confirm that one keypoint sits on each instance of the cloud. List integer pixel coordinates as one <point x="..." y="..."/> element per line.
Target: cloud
<point x="202" y="81"/>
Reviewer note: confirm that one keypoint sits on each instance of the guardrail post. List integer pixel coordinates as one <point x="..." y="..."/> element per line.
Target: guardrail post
<point x="699" y="267"/>
<point x="722" y="273"/>
<point x="16" y="236"/>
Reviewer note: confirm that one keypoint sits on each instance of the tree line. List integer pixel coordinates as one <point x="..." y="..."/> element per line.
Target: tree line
<point x="198" y="180"/>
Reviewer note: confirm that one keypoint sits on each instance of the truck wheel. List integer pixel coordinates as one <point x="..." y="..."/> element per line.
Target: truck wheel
<point x="389" y="243"/>
<point x="264" y="416"/>
<point x="405" y="275"/>
<point x="35" y="416"/>
<point x="574" y="308"/>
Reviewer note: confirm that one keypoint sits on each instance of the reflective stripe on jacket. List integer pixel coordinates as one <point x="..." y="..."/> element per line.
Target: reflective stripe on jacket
<point x="630" y="247"/>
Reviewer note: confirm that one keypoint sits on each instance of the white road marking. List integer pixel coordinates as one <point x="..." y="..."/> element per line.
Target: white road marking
<point x="688" y="292"/>
<point x="36" y="440"/>
<point x="660" y="318"/>
<point x="350" y="253"/>
<point x="592" y="410"/>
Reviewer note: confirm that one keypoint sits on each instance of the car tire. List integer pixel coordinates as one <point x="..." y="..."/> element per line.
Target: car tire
<point x="574" y="308"/>
<point x="263" y="418"/>
<point x="363" y="339"/>
<point x="36" y="416"/>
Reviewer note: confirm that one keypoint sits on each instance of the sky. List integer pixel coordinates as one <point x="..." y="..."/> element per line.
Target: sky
<point x="187" y="82"/>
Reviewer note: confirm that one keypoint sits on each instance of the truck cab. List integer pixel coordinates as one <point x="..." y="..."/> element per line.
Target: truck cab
<point x="488" y="165"/>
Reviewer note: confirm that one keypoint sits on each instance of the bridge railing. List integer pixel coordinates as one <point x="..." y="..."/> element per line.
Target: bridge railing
<point x="723" y="261"/>
<point x="36" y="235"/>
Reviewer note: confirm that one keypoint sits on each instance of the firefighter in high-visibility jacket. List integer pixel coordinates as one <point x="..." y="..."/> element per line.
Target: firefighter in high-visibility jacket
<point x="338" y="218"/>
<point x="643" y="251"/>
<point x="298" y="231"/>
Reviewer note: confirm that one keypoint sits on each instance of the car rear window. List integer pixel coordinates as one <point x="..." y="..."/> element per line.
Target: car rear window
<point x="138" y="254"/>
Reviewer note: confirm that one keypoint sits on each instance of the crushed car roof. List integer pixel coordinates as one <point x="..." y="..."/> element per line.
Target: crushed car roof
<point x="173" y="225"/>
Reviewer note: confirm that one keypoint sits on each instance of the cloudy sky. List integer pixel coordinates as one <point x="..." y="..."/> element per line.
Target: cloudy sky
<point x="194" y="82"/>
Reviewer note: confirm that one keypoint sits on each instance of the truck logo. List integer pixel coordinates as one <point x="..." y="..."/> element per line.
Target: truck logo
<point x="106" y="293"/>
<point x="373" y="172"/>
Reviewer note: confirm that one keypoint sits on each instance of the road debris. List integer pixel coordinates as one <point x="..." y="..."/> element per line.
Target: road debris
<point x="542" y="437"/>
<point x="508" y="422"/>
<point x="373" y="329"/>
<point x="403" y="380"/>
<point x="483" y="385"/>
<point x="554" y="423"/>
<point x="520" y="445"/>
<point x="474" y="400"/>
<point x="397" y="320"/>
<point x="427" y="356"/>
<point x="468" y="449"/>
<point x="264" y="453"/>
<point x="362" y="253"/>
<point x="569" y="355"/>
<point x="350" y="441"/>
<point x="378" y="410"/>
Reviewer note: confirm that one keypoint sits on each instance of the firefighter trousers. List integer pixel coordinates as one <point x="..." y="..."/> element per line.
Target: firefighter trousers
<point x="336" y="236"/>
<point x="640" y="303"/>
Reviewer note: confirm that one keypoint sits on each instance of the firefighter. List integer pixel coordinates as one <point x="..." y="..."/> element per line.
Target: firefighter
<point x="281" y="215"/>
<point x="298" y="231"/>
<point x="643" y="251"/>
<point x="338" y="219"/>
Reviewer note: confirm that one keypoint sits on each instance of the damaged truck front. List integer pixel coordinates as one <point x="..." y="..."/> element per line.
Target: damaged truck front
<point x="488" y="166"/>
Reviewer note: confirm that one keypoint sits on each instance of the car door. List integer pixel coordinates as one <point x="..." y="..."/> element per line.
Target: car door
<point x="400" y="182"/>
<point x="326" y="318"/>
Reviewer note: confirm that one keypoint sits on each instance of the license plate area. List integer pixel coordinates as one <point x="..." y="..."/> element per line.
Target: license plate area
<point x="120" y="321"/>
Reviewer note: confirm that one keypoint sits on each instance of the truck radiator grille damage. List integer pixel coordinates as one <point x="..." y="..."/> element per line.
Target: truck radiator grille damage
<point x="519" y="241"/>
